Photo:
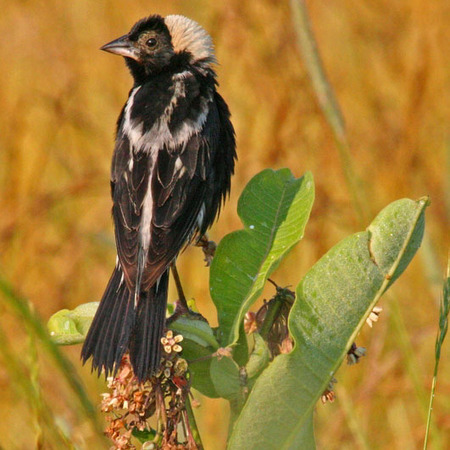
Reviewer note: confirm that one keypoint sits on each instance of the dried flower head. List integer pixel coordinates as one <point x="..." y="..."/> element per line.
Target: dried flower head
<point x="286" y="345"/>
<point x="328" y="394"/>
<point x="171" y="342"/>
<point x="374" y="315"/>
<point x="250" y="323"/>
<point x="355" y="354"/>
<point x="130" y="404"/>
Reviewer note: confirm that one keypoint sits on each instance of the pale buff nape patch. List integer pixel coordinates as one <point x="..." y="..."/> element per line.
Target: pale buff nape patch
<point x="188" y="35"/>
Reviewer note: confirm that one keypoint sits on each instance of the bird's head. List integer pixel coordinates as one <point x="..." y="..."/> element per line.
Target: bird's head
<point x="154" y="42"/>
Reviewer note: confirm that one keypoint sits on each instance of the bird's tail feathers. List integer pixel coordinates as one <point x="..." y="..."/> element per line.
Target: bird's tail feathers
<point x="109" y="334"/>
<point x="145" y="339"/>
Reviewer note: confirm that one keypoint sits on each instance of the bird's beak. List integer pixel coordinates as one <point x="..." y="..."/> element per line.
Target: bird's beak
<point x="121" y="46"/>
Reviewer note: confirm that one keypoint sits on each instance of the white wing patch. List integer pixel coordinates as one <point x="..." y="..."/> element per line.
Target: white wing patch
<point x="129" y="130"/>
<point x="146" y="221"/>
<point x="201" y="216"/>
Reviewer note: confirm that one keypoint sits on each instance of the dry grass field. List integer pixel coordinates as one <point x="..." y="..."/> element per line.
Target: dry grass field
<point x="388" y="62"/>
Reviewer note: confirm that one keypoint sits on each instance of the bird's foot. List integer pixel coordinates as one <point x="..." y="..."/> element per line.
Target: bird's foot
<point x="208" y="247"/>
<point x="182" y="309"/>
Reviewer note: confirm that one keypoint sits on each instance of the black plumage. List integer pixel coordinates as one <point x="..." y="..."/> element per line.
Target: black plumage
<point x="171" y="170"/>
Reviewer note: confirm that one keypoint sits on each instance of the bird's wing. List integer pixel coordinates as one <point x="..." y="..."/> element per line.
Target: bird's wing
<point x="222" y="139"/>
<point x="129" y="182"/>
<point x="179" y="186"/>
<point x="177" y="180"/>
<point x="189" y="186"/>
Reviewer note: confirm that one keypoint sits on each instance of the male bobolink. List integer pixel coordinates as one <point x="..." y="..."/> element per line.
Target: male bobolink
<point x="173" y="159"/>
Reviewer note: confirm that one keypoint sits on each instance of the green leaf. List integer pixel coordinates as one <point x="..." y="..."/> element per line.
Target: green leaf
<point x="195" y="330"/>
<point x="200" y="373"/>
<point x="274" y="209"/>
<point x="383" y="246"/>
<point x="70" y="327"/>
<point x="225" y="376"/>
<point x="228" y="383"/>
<point x="259" y="357"/>
<point x="198" y="346"/>
<point x="333" y="301"/>
<point x="144" y="435"/>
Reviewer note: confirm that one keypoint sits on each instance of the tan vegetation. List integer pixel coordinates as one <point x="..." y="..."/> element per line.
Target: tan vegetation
<point x="59" y="99"/>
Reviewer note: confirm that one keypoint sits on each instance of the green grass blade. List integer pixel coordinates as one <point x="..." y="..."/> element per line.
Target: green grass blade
<point x="21" y="308"/>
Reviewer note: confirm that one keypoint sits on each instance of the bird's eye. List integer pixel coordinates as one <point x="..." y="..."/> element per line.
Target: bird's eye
<point x="151" y="42"/>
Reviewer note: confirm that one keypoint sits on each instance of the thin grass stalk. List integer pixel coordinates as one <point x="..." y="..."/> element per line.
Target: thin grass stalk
<point x="443" y="328"/>
<point x="37" y="405"/>
<point x="21" y="308"/>
<point x="353" y="421"/>
<point x="412" y="364"/>
<point x="328" y="103"/>
<point x="44" y="420"/>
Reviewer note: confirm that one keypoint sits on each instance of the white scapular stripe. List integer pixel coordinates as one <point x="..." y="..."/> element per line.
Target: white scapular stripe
<point x="159" y="135"/>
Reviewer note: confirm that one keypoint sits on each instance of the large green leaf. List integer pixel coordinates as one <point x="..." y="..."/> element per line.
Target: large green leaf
<point x="274" y="209"/>
<point x="333" y="301"/>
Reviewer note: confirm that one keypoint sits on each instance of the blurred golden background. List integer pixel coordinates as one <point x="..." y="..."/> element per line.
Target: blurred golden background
<point x="388" y="62"/>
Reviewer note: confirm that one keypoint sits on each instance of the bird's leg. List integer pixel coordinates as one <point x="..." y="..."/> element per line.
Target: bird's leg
<point x="208" y="247"/>
<point x="181" y="296"/>
<point x="181" y="306"/>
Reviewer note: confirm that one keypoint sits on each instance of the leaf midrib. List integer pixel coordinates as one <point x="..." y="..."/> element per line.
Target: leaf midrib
<point x="234" y="330"/>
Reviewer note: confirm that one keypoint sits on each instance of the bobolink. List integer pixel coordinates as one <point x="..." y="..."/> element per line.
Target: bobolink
<point x="173" y="159"/>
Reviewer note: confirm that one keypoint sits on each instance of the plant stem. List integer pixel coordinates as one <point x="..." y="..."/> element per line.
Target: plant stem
<point x="161" y="417"/>
<point x="430" y="407"/>
<point x="192" y="424"/>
